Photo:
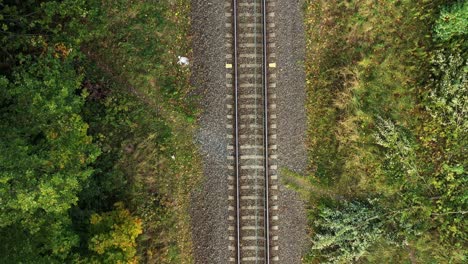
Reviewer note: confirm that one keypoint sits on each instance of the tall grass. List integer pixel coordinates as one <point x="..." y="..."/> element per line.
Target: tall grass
<point x="369" y="67"/>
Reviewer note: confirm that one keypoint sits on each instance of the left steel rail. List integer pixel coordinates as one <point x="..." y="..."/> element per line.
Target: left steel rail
<point x="236" y="131"/>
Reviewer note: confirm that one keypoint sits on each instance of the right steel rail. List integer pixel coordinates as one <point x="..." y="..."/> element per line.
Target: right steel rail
<point x="265" y="132"/>
<point x="236" y="131"/>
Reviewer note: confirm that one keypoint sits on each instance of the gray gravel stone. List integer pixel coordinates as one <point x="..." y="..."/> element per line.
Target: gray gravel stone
<point x="292" y="127"/>
<point x="209" y="207"/>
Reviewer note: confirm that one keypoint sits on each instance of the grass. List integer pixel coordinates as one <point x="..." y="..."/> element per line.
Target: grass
<point x="147" y="119"/>
<point x="369" y="68"/>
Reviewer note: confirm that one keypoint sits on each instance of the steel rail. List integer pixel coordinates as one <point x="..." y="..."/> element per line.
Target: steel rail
<point x="265" y="133"/>
<point x="265" y="129"/>
<point x="236" y="129"/>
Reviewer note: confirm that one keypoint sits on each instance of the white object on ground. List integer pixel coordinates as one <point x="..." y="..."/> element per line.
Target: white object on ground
<point x="183" y="60"/>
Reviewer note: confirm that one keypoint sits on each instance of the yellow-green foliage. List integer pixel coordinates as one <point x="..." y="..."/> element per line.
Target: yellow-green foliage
<point x="113" y="236"/>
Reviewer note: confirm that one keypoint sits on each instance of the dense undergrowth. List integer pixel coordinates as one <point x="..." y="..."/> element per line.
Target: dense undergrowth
<point x="387" y="117"/>
<point x="96" y="159"/>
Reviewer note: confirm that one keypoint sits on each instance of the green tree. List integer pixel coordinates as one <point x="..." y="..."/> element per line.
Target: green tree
<point x="45" y="152"/>
<point x="32" y="27"/>
<point x="113" y="236"/>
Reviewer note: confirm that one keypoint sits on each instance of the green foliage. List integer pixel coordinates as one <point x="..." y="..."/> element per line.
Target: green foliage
<point x="345" y="234"/>
<point x="447" y="99"/>
<point x="32" y="28"/>
<point x="44" y="137"/>
<point x="45" y="151"/>
<point x="51" y="242"/>
<point x="143" y="123"/>
<point x="82" y="75"/>
<point x="362" y="62"/>
<point x="447" y="125"/>
<point x="423" y="250"/>
<point x="400" y="156"/>
<point x="453" y="22"/>
<point x="405" y="184"/>
<point x="113" y="235"/>
<point x="387" y="118"/>
<point x="139" y="42"/>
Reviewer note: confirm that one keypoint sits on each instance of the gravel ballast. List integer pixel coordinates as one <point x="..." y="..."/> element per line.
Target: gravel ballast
<point x="292" y="125"/>
<point x="209" y="206"/>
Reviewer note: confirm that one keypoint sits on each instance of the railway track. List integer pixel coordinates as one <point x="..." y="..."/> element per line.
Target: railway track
<point x="251" y="124"/>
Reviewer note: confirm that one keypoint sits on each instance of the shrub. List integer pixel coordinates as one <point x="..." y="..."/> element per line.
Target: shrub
<point x="453" y="22"/>
<point x="113" y="236"/>
<point x="344" y="234"/>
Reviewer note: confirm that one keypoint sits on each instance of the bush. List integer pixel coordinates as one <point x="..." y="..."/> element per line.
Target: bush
<point x="344" y="234"/>
<point x="113" y="236"/>
<point x="453" y="22"/>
